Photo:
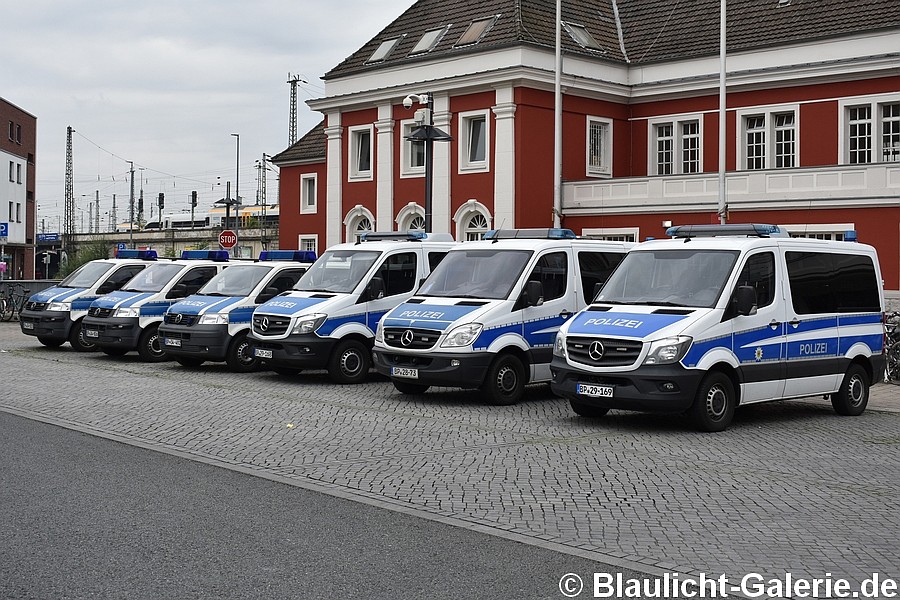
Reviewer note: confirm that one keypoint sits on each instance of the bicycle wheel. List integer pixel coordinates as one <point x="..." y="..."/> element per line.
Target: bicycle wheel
<point x="893" y="362"/>
<point x="6" y="309"/>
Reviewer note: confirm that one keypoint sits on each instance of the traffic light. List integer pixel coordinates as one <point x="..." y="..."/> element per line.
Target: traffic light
<point x="194" y="199"/>
<point x="162" y="200"/>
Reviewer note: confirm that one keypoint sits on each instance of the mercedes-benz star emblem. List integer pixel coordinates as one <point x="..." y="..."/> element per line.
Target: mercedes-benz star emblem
<point x="596" y="350"/>
<point x="407" y="338"/>
<point x="264" y="324"/>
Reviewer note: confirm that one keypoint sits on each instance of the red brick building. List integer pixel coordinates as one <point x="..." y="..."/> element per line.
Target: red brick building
<point x="17" y="184"/>
<point x="812" y="127"/>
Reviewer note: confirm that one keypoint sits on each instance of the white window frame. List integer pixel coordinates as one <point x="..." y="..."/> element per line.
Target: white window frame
<point x="406" y="151"/>
<point x="307" y="207"/>
<point x="354" y="217"/>
<point x="768" y="114"/>
<point x="464" y="125"/>
<point x="354" y="173"/>
<point x="308" y="238"/>
<point x="676" y="121"/>
<point x="464" y="215"/>
<point x="876" y="140"/>
<point x="612" y="234"/>
<point x="604" y="169"/>
<point x="822" y="231"/>
<point x="407" y="215"/>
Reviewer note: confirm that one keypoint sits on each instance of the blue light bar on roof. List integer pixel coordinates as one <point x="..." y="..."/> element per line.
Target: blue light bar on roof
<point x="377" y="236"/>
<point x="306" y="256"/>
<point x="553" y="233"/>
<point x="142" y="254"/>
<point x="216" y="255"/>
<point x="735" y="229"/>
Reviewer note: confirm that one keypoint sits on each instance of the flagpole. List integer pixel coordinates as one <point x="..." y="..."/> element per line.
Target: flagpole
<point x="557" y="122"/>
<point x="723" y="203"/>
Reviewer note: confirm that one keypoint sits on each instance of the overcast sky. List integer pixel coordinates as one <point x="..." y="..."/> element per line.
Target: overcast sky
<point x="164" y="84"/>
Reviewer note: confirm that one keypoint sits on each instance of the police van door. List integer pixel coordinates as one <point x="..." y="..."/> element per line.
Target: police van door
<point x="539" y="324"/>
<point x="396" y="278"/>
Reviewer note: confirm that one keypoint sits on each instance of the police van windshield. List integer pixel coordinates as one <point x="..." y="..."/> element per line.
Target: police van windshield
<point x="86" y="275"/>
<point x="236" y="280"/>
<point x="337" y="271"/>
<point x="153" y="278"/>
<point x="693" y="278"/>
<point x="488" y="274"/>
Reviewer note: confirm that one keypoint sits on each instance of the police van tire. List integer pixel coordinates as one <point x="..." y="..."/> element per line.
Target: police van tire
<point x="188" y="361"/>
<point x="149" y="347"/>
<point x="77" y="341"/>
<point x="115" y="352"/>
<point x="405" y="387"/>
<point x="239" y="357"/>
<point x="588" y="411"/>
<point x="350" y="362"/>
<point x="714" y="405"/>
<point x="505" y="381"/>
<point x="853" y="396"/>
<point x="51" y="342"/>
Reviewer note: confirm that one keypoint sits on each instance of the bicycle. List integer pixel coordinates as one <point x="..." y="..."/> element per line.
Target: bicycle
<point x="12" y="301"/>
<point x="892" y="346"/>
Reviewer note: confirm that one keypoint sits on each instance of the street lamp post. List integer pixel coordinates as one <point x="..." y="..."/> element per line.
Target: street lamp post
<point x="237" y="195"/>
<point x="426" y="132"/>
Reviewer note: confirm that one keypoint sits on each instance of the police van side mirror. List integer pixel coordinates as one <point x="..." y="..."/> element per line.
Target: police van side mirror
<point x="533" y="294"/>
<point x="107" y="286"/>
<point x="267" y="294"/>
<point x="745" y="300"/>
<point x="597" y="287"/>
<point x="375" y="289"/>
<point x="179" y="290"/>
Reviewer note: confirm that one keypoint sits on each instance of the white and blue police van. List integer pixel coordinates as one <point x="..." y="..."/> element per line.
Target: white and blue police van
<point x="329" y="319"/>
<point x="129" y="319"/>
<point x="487" y="316"/>
<point x="55" y="314"/>
<point x="212" y="325"/>
<point x="721" y="316"/>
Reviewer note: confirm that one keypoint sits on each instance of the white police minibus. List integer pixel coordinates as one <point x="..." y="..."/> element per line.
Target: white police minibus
<point x="55" y="315"/>
<point x="129" y="318"/>
<point x="329" y="318"/>
<point x="487" y="316"/>
<point x="727" y="315"/>
<point x="212" y="325"/>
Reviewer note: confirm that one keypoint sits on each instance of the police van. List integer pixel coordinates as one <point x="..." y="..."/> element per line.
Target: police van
<point x="487" y="316"/>
<point x="129" y="318"/>
<point x="213" y="324"/>
<point x="328" y="320"/>
<point x="727" y="315"/>
<point x="55" y="314"/>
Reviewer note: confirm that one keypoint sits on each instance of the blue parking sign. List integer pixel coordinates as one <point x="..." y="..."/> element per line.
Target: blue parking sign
<point x="4" y="229"/>
<point x="121" y="246"/>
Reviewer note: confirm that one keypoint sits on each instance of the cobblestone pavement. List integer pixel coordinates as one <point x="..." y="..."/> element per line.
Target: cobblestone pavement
<point x="789" y="487"/>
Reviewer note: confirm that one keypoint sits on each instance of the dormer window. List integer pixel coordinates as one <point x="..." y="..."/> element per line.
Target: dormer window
<point x="429" y="40"/>
<point x="476" y="31"/>
<point x="384" y="49"/>
<point x="582" y="36"/>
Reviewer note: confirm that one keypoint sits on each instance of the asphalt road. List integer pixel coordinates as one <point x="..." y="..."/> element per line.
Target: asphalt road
<point x="86" y="517"/>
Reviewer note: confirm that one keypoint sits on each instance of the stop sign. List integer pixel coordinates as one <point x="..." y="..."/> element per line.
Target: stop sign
<point x="227" y="239"/>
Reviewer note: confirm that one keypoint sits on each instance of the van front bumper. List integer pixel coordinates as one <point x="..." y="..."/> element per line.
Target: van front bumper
<point x="660" y="388"/>
<point x="46" y="323"/>
<point x="122" y="333"/>
<point x="207" y="342"/>
<point x="465" y="371"/>
<point x="293" y="352"/>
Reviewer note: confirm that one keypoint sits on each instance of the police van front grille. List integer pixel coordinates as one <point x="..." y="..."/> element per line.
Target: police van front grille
<point x="603" y="352"/>
<point x="101" y="313"/>
<point x="30" y="305"/>
<point x="270" y="325"/>
<point x="416" y="339"/>
<point x="180" y="319"/>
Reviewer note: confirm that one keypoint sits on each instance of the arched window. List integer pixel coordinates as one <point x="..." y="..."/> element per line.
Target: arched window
<point x="473" y="220"/>
<point x="359" y="220"/>
<point x="411" y="218"/>
<point x="476" y="227"/>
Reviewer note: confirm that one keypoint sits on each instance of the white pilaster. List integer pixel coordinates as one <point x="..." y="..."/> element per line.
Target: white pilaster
<point x="384" y="171"/>
<point x="504" y="158"/>
<point x="440" y="198"/>
<point x="334" y="186"/>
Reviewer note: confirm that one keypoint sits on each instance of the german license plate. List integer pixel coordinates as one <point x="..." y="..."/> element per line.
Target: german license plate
<point x="27" y="325"/>
<point x="594" y="391"/>
<point x="91" y="333"/>
<point x="404" y="372"/>
<point x="262" y="353"/>
<point x="175" y="342"/>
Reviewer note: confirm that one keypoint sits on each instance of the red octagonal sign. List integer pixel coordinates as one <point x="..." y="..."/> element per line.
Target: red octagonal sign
<point x="228" y="239"/>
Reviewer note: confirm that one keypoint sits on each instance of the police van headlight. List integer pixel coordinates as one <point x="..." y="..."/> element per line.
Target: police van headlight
<point x="463" y="335"/>
<point x="559" y="346"/>
<point x="668" y="350"/>
<point x="379" y="333"/>
<point x="127" y="312"/>
<point x="214" y="319"/>
<point x="60" y="306"/>
<point x="309" y="323"/>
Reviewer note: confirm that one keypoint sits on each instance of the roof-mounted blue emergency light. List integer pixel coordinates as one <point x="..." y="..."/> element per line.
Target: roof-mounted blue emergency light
<point x="141" y="254"/>
<point x="306" y="256"/>
<point x="216" y="255"/>
<point x="553" y="233"/>
<point x="734" y="230"/>
<point x="380" y="236"/>
<point x="850" y="236"/>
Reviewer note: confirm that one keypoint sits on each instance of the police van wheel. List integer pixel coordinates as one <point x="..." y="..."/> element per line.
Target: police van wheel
<point x="714" y="404"/>
<point x="149" y="348"/>
<point x="586" y="410"/>
<point x="349" y="362"/>
<point x="189" y="362"/>
<point x="240" y="357"/>
<point x="51" y="342"/>
<point x="852" y="398"/>
<point x="77" y="341"/>
<point x="505" y="381"/>
<point x="405" y="387"/>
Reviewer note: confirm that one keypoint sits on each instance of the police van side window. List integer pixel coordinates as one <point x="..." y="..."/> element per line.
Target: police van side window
<point x="434" y="259"/>
<point x="552" y="270"/>
<point x="195" y="278"/>
<point x="856" y="284"/>
<point x="828" y="283"/>
<point x="398" y="272"/>
<point x="286" y="279"/>
<point x="759" y="273"/>
<point x="121" y="277"/>
<point x="596" y="267"/>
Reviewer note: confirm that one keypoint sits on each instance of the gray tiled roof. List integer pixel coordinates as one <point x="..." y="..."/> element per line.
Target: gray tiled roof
<point x="653" y="30"/>
<point x="310" y="147"/>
